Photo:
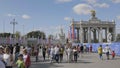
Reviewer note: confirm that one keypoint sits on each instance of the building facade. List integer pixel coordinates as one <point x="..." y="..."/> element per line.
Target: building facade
<point x="93" y="31"/>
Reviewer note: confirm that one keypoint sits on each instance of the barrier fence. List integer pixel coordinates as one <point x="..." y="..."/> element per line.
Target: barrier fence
<point x="113" y="46"/>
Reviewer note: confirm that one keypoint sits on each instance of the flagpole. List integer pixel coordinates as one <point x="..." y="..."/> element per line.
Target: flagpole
<point x="13" y="23"/>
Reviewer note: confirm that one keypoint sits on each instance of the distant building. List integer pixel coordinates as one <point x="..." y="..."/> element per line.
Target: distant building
<point x="92" y="31"/>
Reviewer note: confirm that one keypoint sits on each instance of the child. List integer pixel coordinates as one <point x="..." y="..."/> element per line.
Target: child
<point x="20" y="62"/>
<point x="113" y="54"/>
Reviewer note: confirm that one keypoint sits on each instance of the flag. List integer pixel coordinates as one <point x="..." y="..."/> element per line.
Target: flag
<point x="68" y="34"/>
<point x="72" y="32"/>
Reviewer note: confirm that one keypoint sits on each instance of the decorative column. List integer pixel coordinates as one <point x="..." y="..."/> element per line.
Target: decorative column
<point x="114" y="34"/>
<point x="81" y="35"/>
<point x="89" y="35"/>
<point x="107" y="33"/>
<point x="100" y="35"/>
<point x="84" y="35"/>
<point x="94" y="35"/>
<point x="77" y="34"/>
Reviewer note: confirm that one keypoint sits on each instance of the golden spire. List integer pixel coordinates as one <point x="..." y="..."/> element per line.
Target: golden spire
<point x="93" y="13"/>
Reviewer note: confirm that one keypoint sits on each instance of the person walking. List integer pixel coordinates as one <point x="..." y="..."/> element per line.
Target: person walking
<point x="44" y="52"/>
<point x="57" y="53"/>
<point x="52" y="54"/>
<point x="100" y="51"/>
<point x="61" y="54"/>
<point x="2" y="63"/>
<point x="107" y="49"/>
<point x="75" y="52"/>
<point x="26" y="58"/>
<point x="8" y="58"/>
<point x="17" y="51"/>
<point x="113" y="54"/>
<point x="69" y="54"/>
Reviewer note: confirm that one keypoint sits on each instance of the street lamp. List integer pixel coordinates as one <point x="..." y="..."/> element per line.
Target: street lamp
<point x="13" y="23"/>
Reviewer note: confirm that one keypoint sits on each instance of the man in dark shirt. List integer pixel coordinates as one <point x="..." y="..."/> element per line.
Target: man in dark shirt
<point x="81" y="48"/>
<point x="17" y="51"/>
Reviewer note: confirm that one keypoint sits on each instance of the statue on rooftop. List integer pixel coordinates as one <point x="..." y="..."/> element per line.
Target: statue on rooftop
<point x="93" y="13"/>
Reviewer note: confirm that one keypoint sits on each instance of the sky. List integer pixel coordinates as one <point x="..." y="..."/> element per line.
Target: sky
<point x="51" y="15"/>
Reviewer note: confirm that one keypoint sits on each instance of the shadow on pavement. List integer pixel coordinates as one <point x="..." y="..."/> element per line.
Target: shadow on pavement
<point x="45" y="65"/>
<point x="79" y="61"/>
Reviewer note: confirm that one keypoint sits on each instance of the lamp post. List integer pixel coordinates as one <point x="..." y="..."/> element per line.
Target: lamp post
<point x="13" y="23"/>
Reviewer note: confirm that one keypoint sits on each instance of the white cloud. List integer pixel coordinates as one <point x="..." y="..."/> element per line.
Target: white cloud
<point x="91" y="1"/>
<point x="82" y="9"/>
<point x="116" y="1"/>
<point x="118" y="17"/>
<point x="63" y="1"/>
<point x="11" y="15"/>
<point x="102" y="5"/>
<point x="67" y="18"/>
<point x="26" y="16"/>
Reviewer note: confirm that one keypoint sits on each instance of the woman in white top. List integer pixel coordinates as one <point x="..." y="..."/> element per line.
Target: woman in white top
<point x="107" y="49"/>
<point x="69" y="54"/>
<point x="26" y="58"/>
<point x="2" y="65"/>
<point x="51" y="54"/>
<point x="7" y="57"/>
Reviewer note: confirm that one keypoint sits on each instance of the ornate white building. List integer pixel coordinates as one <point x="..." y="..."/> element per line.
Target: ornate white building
<point x="62" y="36"/>
<point x="94" y="30"/>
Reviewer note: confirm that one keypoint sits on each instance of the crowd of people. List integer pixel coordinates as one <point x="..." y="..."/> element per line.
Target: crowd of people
<point x="10" y="57"/>
<point x="107" y="50"/>
<point x="56" y="52"/>
<point x="16" y="55"/>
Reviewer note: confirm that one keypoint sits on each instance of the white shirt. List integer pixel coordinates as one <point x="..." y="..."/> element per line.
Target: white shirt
<point x="107" y="48"/>
<point x="25" y="57"/>
<point x="2" y="65"/>
<point x="56" y="50"/>
<point x="69" y="51"/>
<point x="6" y="58"/>
<point x="51" y="51"/>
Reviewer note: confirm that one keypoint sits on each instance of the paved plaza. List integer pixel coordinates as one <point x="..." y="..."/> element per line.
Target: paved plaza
<point x="90" y="60"/>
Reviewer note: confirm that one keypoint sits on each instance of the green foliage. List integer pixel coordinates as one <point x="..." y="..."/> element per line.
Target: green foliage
<point x="36" y="34"/>
<point x="6" y="34"/>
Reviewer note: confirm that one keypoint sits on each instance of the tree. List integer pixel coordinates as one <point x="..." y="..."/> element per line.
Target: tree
<point x="17" y="34"/>
<point x="36" y="34"/>
<point x="6" y="34"/>
<point x="50" y="36"/>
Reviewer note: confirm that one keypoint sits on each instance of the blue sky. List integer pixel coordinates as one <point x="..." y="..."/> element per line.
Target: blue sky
<point x="49" y="15"/>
